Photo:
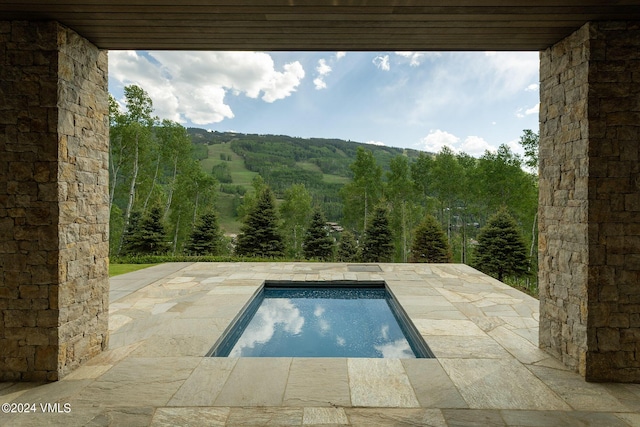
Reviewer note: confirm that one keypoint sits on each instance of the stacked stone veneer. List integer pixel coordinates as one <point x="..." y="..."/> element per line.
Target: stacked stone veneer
<point x="590" y="201"/>
<point x="53" y="200"/>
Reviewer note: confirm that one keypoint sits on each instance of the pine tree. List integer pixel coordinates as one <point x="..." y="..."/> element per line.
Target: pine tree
<point x="348" y="248"/>
<point x="430" y="243"/>
<point x="501" y="250"/>
<point x="378" y="240"/>
<point x="149" y="236"/>
<point x="259" y="235"/>
<point x="205" y="238"/>
<point x="317" y="242"/>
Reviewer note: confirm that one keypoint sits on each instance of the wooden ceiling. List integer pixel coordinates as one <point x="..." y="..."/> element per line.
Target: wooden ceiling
<point x="322" y="24"/>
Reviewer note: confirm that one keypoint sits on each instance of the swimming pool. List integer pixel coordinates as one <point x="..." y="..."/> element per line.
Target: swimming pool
<point x="322" y="319"/>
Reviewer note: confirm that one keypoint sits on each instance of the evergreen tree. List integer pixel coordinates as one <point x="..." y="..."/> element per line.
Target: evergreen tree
<point x="430" y="243"/>
<point x="149" y="236"/>
<point x="348" y="248"/>
<point x="317" y="242"/>
<point x="259" y="235"/>
<point x="127" y="237"/>
<point x="378" y="240"/>
<point x="501" y="250"/>
<point x="205" y="238"/>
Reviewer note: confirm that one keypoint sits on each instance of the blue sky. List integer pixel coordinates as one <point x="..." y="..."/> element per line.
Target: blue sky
<point x="471" y="101"/>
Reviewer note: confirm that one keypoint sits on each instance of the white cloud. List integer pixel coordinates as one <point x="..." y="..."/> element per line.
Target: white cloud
<point x="323" y="70"/>
<point x="340" y="55"/>
<point x="416" y="58"/>
<point x="438" y="139"/>
<point x="475" y="146"/>
<point x="522" y="112"/>
<point x="193" y="85"/>
<point x="533" y="110"/>
<point x="319" y="83"/>
<point x="532" y="87"/>
<point x="382" y="62"/>
<point x="379" y="143"/>
<point x="472" y="145"/>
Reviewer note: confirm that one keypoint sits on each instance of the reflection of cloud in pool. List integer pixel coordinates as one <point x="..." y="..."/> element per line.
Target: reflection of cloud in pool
<point x="319" y="311"/>
<point x="341" y="341"/>
<point x="396" y="350"/>
<point x="324" y="326"/>
<point x="384" y="332"/>
<point x="262" y="326"/>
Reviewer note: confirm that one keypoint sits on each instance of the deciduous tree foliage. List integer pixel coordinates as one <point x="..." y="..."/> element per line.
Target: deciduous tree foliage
<point x="260" y="234"/>
<point x="430" y="243"/>
<point x="377" y="245"/>
<point x="501" y="250"/>
<point x="317" y="242"/>
<point x="364" y="191"/>
<point x="404" y="213"/>
<point x="295" y="212"/>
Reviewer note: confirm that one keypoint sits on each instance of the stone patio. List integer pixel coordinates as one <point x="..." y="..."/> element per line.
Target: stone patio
<point x="163" y="320"/>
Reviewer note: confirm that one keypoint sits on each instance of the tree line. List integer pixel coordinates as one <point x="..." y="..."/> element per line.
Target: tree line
<point x="426" y="208"/>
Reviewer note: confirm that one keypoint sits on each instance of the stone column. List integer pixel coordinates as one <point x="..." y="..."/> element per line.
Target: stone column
<point x="54" y="217"/>
<point x="590" y="201"/>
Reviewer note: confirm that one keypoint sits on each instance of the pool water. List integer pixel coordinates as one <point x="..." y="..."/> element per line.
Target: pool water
<point x="322" y="322"/>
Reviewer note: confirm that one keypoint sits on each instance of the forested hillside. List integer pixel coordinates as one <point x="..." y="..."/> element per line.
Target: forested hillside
<point x="171" y="186"/>
<point x="321" y="165"/>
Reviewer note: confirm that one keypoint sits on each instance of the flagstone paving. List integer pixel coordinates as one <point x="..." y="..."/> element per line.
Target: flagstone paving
<point x="488" y="370"/>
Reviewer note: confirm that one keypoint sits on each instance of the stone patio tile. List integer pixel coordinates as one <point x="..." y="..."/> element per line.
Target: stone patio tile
<point x="462" y="297"/>
<point x="113" y="355"/>
<point x="187" y="417"/>
<point x="205" y="382"/>
<point x="581" y="395"/>
<point x="627" y="394"/>
<point x="248" y="289"/>
<point x="432" y="386"/>
<point x="472" y="347"/>
<point x="473" y="418"/>
<point x="317" y="382"/>
<point x="324" y="416"/>
<point x="500" y="384"/>
<point x="468" y="309"/>
<point x="385" y="417"/>
<point x="561" y="419"/>
<point x="174" y="346"/>
<point x="257" y="381"/>
<point x="380" y="382"/>
<point x="210" y="328"/>
<point x="80" y="417"/>
<point x="265" y="416"/>
<point x="116" y="321"/>
<point x="140" y="382"/>
<point x="60" y="391"/>
<point x="5" y="385"/>
<point x="631" y="419"/>
<point x="519" y="347"/>
<point x="126" y="416"/>
<point x="87" y="372"/>
<point x="11" y="391"/>
<point x="462" y="328"/>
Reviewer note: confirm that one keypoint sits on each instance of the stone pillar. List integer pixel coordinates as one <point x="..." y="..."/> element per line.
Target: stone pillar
<point x="590" y="201"/>
<point x="54" y="217"/>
